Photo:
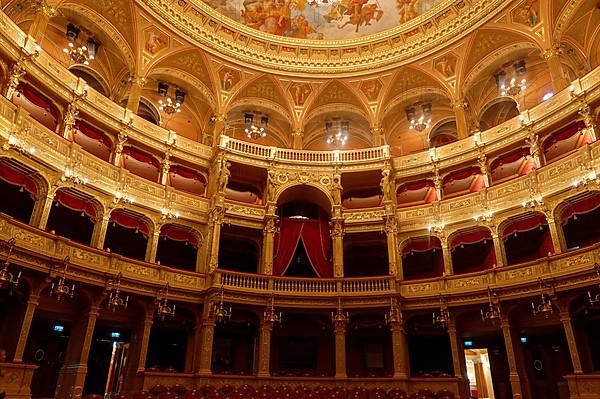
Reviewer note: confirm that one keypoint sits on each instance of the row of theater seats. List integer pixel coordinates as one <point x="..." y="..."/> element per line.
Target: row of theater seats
<point x="279" y="392"/>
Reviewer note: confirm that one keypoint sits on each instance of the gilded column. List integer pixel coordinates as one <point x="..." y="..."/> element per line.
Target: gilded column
<point x="264" y="351"/>
<point x="43" y="13"/>
<point x="14" y="79"/>
<point x="337" y="235"/>
<point x="498" y="248"/>
<point x="391" y="231"/>
<point x="32" y="304"/>
<point x="165" y="167"/>
<point x="69" y="121"/>
<point x="482" y="161"/>
<point x="145" y="341"/>
<point x="208" y="332"/>
<point x="447" y="255"/>
<point x="152" y="245"/>
<point x="135" y="93"/>
<point x="41" y="210"/>
<point x="515" y="379"/>
<point x="99" y="234"/>
<point x="559" y="80"/>
<point x="437" y="182"/>
<point x="555" y="234"/>
<point x="216" y="217"/>
<point x="586" y="113"/>
<point x="268" y="244"/>
<point x="400" y="350"/>
<point x="458" y="358"/>
<point x="297" y="137"/>
<point x="460" y="111"/>
<point x="378" y="138"/>
<point x="565" y="318"/>
<point x="534" y="147"/>
<point x="340" y="350"/>
<point x="121" y="140"/>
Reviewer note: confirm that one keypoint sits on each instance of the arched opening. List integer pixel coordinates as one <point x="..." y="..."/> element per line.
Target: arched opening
<point x="140" y="163"/>
<point x="19" y="192"/>
<point x="304" y="345"/>
<point x="579" y="218"/>
<point x="246" y="183"/>
<point x="444" y="133"/>
<point x="40" y="107"/>
<point x="429" y="348"/>
<point x="234" y="344"/>
<point x="566" y="140"/>
<point x="303" y="220"/>
<point x="240" y="249"/>
<point x="184" y="179"/>
<point x="91" y="78"/>
<point x="177" y="247"/>
<point x="462" y="182"/>
<point x="422" y="257"/>
<point x="13" y="303"/>
<point x="369" y="347"/>
<point x="72" y="216"/>
<point x="362" y="190"/>
<point x="526" y="238"/>
<point x="511" y="165"/>
<point x="92" y="140"/>
<point x="365" y="255"/>
<point x="499" y="112"/>
<point x="415" y="193"/>
<point x="169" y="342"/>
<point x="472" y="251"/>
<point x="147" y="111"/>
<point x="127" y="234"/>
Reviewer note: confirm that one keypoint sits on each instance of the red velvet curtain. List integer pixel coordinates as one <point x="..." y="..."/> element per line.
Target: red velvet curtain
<point x="564" y="134"/>
<point x="176" y="234"/>
<point x="14" y="177"/>
<point x="580" y="207"/>
<point x="462" y="174"/>
<point x="510" y="158"/>
<point x="93" y="134"/>
<point x="421" y="245"/>
<point x="38" y="100"/>
<point x="76" y="204"/>
<point x="525" y="225"/>
<point x="129" y="222"/>
<point x="471" y="237"/>
<point x="317" y="243"/>
<point x="141" y="156"/>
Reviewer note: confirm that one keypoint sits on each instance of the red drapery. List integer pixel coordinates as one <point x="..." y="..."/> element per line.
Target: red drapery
<point x="93" y="134"/>
<point x="418" y="185"/>
<point x="421" y="245"/>
<point x="75" y="204"/>
<point x="317" y="243"/>
<point x="141" y="156"/>
<point x="14" y="177"/>
<point x="564" y="134"/>
<point x="471" y="237"/>
<point x="462" y="174"/>
<point x="177" y="234"/>
<point x="38" y="100"/>
<point x="510" y="158"/>
<point x="129" y="222"/>
<point x="580" y="207"/>
<point x="186" y="173"/>
<point x="524" y="225"/>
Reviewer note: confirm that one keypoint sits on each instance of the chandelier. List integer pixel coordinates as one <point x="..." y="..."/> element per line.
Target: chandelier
<point x="80" y="54"/>
<point x="544" y="307"/>
<point x="595" y="299"/>
<point x="270" y="315"/>
<point x="252" y="131"/>
<point x="422" y="121"/>
<point x="513" y="85"/>
<point x="337" y="135"/>
<point x="7" y="278"/>
<point x="394" y="315"/>
<point x="163" y="308"/>
<point x="221" y="314"/>
<point x="170" y="106"/>
<point x="59" y="286"/>
<point x="340" y="318"/>
<point x="492" y="311"/>
<point x="441" y="318"/>
<point x="115" y="300"/>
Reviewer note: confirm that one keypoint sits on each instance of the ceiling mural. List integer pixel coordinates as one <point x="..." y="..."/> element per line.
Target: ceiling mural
<point x="322" y="19"/>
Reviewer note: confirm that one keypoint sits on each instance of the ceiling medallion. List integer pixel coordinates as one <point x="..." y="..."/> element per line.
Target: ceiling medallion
<point x="170" y="106"/>
<point x="252" y="131"/>
<point x="423" y="120"/>
<point x="337" y="132"/>
<point x="80" y="54"/>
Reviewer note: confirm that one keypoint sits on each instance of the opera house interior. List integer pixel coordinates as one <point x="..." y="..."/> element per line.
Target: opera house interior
<point x="300" y="199"/>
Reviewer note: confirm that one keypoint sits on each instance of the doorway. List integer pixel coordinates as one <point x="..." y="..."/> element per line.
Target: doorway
<point x="479" y="374"/>
<point x="107" y="361"/>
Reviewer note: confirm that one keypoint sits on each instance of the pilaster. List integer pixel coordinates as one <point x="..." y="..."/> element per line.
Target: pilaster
<point x="264" y="351"/>
<point x="337" y="236"/>
<point x="340" y="351"/>
<point x="565" y="319"/>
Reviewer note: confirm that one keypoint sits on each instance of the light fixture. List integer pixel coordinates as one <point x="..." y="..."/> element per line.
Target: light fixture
<point x="59" y="286"/>
<point x="270" y="315"/>
<point x="18" y="144"/>
<point x="340" y="318"/>
<point x="71" y="174"/>
<point x="594" y="299"/>
<point x="163" y="308"/>
<point x="252" y="131"/>
<point x="121" y="195"/>
<point x="80" y="54"/>
<point x="220" y="313"/>
<point x="393" y="315"/>
<point x="492" y="311"/>
<point x="486" y="216"/>
<point x="441" y="318"/>
<point x="8" y="279"/>
<point x="170" y="106"/>
<point x="423" y="120"/>
<point x="515" y="83"/>
<point x="167" y="212"/>
<point x="544" y="307"/>
<point x="337" y="132"/>
<point x="587" y="177"/>
<point x="115" y="300"/>
<point x="548" y="96"/>
<point x="436" y="227"/>
<point x="535" y="200"/>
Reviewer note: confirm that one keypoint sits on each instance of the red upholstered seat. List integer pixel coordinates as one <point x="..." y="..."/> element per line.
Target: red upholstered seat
<point x="93" y="396"/>
<point x="158" y="389"/>
<point x="168" y="395"/>
<point x="193" y="394"/>
<point x="119" y="396"/>
<point x="142" y="395"/>
<point x="444" y="394"/>
<point x="178" y="389"/>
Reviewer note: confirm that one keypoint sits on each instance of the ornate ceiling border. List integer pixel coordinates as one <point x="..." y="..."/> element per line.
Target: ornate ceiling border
<point x="231" y="40"/>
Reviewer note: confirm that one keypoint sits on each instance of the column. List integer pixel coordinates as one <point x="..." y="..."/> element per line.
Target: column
<point x="43" y="13"/>
<point x="218" y="128"/>
<point x="135" y="93"/>
<point x="337" y="235"/>
<point x="192" y="360"/>
<point x="448" y="269"/>
<point x="268" y="245"/>
<point x="72" y="375"/>
<point x="208" y="332"/>
<point x="458" y="358"/>
<point x="391" y="231"/>
<point x="138" y="352"/>
<point x="555" y="234"/>
<point x="297" y="137"/>
<point x="515" y="379"/>
<point x="400" y="351"/>
<point x="216" y="220"/>
<point x="264" y="350"/>
<point x="340" y="350"/>
<point x="32" y="304"/>
<point x="41" y="210"/>
<point x="498" y="249"/>
<point x="565" y="319"/>
<point x="462" y="127"/>
<point x="586" y="113"/>
<point x="152" y="245"/>
<point x="145" y="341"/>
<point x="99" y="234"/>
<point x="377" y="136"/>
<point x="559" y="80"/>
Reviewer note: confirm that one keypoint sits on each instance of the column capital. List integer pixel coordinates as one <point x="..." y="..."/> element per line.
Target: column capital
<point x="552" y="52"/>
<point x="337" y="228"/>
<point x="459" y="103"/>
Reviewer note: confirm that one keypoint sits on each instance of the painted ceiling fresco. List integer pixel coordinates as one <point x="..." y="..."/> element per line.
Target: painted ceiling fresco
<point x="322" y="19"/>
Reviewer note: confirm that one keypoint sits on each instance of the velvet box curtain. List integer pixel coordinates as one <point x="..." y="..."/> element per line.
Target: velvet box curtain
<point x="317" y="243"/>
<point x="75" y="204"/>
<point x="17" y="178"/>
